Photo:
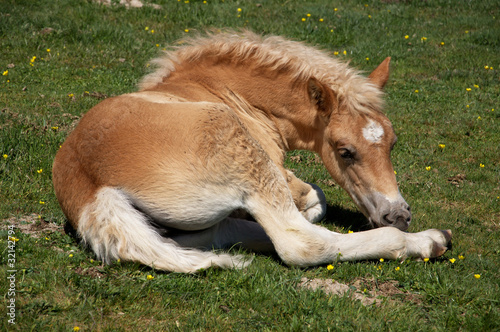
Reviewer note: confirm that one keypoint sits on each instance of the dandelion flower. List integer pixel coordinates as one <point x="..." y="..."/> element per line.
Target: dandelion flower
<point x="55" y="128"/>
<point x="335" y="9"/>
<point x="5" y="156"/>
<point x="486" y="67"/>
<point x="428" y="168"/>
<point x="308" y="15"/>
<point x="76" y="329"/>
<point x="146" y="28"/>
<point x="303" y="19"/>
<point x="442" y="146"/>
<point x="416" y="91"/>
<point x="40" y="171"/>
<point x="395" y="173"/>
<point x="91" y="260"/>
<point x="442" y="43"/>
<point x="150" y="277"/>
<point x="477" y="276"/>
<point x="186" y="30"/>
<point x="479" y="118"/>
<point x="321" y="20"/>
<point x="350" y="232"/>
<point x="481" y="165"/>
<point x="426" y="259"/>
<point x="367" y="59"/>
<point x="239" y="9"/>
<point x="406" y="37"/>
<point x="70" y="255"/>
<point x="423" y="38"/>
<point x="48" y="50"/>
<point x="41" y="202"/>
<point x="369" y="16"/>
<point x="345" y="52"/>
<point x="397" y="268"/>
<point x="452" y="260"/>
<point x="5" y="73"/>
<point x="468" y="89"/>
<point x="335" y="53"/>
<point x="329" y="267"/>
<point x="381" y="260"/>
<point x="461" y="257"/>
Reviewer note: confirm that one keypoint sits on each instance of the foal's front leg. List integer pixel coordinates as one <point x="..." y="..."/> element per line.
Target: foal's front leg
<point x="309" y="198"/>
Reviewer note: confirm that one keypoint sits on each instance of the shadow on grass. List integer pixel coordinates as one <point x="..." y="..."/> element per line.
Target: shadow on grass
<point x="348" y="219"/>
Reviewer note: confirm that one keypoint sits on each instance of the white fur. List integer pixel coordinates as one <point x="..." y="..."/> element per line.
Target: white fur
<point x="114" y="229"/>
<point x="373" y="132"/>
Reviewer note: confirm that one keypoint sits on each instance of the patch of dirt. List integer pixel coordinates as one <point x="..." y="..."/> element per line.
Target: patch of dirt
<point x="368" y="291"/>
<point x="32" y="225"/>
<point x="93" y="272"/>
<point x="128" y="3"/>
<point x="457" y="179"/>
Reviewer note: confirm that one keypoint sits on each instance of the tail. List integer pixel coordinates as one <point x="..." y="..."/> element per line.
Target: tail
<point x="114" y="229"/>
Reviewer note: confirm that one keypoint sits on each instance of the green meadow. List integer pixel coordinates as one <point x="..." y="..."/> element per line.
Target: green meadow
<point x="59" y="58"/>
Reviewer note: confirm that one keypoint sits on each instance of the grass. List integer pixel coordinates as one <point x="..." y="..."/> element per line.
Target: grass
<point x="59" y="58"/>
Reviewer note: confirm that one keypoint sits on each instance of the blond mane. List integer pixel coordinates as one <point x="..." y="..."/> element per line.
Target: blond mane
<point x="355" y="92"/>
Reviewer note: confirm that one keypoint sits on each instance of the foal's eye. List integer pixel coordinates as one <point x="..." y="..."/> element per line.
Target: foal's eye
<point x="346" y="154"/>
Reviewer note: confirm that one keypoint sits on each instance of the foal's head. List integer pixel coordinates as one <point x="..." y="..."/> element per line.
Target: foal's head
<point x="356" y="150"/>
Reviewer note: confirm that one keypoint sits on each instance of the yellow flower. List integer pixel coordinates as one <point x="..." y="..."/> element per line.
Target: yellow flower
<point x="345" y="52"/>
<point x="239" y="9"/>
<point x="335" y="9"/>
<point x="486" y="67"/>
<point x="48" y="50"/>
<point x="428" y="168"/>
<point x="303" y="19"/>
<point x="150" y="277"/>
<point x="442" y="43"/>
<point x="466" y="31"/>
<point x="152" y="31"/>
<point x="308" y="15"/>
<point x="481" y="165"/>
<point x="406" y="37"/>
<point x="13" y="238"/>
<point x="397" y="268"/>
<point x="329" y="267"/>
<point x="479" y="118"/>
<point x="379" y="267"/>
<point x="335" y="53"/>
<point x="118" y="260"/>
<point x="5" y="156"/>
<point x="186" y="30"/>
<point x="477" y="276"/>
<point x="40" y="171"/>
<point x="467" y="106"/>
<point x="367" y="59"/>
<point x="426" y="259"/>
<point x="70" y="255"/>
<point x="369" y="16"/>
<point x="452" y="260"/>
<point x="41" y="202"/>
<point x="442" y="146"/>
<point x="321" y="20"/>
<point x="461" y="257"/>
<point x="381" y="260"/>
<point x="146" y="28"/>
<point x="416" y="91"/>
<point x="423" y="38"/>
<point x="76" y="329"/>
<point x="395" y="172"/>
<point x="468" y="89"/>
<point x="5" y="73"/>
<point x="350" y="232"/>
<point x="55" y="128"/>
<point x="476" y="86"/>
<point x="91" y="260"/>
<point x="71" y="95"/>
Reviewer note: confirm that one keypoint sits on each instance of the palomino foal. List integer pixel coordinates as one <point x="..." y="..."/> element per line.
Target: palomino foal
<point x="155" y="176"/>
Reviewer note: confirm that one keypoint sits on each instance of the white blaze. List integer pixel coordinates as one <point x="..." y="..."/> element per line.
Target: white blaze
<point x="373" y="132"/>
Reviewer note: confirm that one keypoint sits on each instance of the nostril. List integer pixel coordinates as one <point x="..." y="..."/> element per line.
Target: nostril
<point x="387" y="218"/>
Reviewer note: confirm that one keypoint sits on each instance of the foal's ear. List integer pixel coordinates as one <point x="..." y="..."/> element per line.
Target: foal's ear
<point x="321" y="96"/>
<point x="380" y="75"/>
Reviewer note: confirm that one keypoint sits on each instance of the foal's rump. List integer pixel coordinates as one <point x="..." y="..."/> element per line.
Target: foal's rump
<point x="157" y="162"/>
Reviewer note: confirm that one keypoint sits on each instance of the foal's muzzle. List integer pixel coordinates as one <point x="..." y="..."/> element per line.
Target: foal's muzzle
<point x="399" y="218"/>
<point x="382" y="212"/>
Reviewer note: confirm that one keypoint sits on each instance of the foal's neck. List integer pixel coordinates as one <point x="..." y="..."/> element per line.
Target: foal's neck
<point x="274" y="100"/>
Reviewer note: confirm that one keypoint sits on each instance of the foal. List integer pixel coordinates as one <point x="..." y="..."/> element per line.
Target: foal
<point x="155" y="176"/>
